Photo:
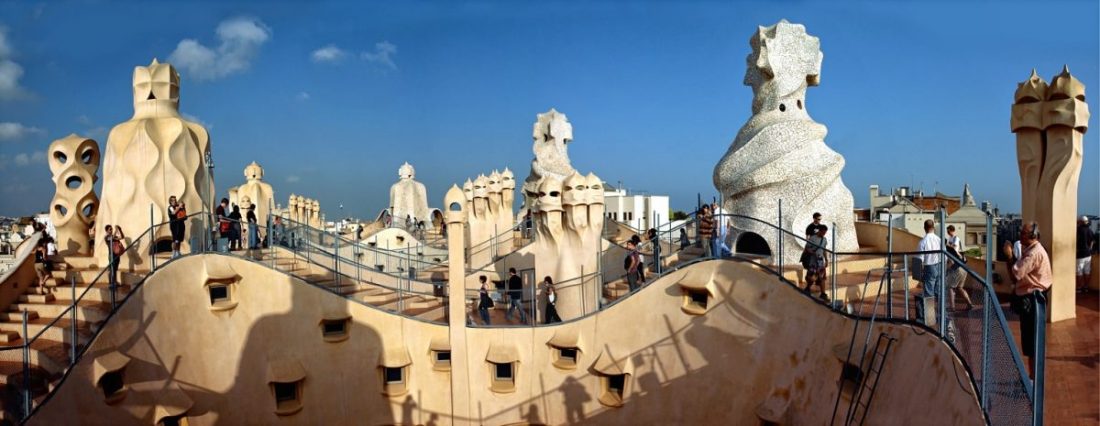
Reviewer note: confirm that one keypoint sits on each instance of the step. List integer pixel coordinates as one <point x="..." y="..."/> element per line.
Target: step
<point x="58" y="332"/>
<point x="86" y="310"/>
<point x="16" y="314"/>
<point x="84" y="276"/>
<point x="36" y="298"/>
<point x="8" y="336"/>
<point x="81" y="262"/>
<point x="99" y="293"/>
<point x="51" y="355"/>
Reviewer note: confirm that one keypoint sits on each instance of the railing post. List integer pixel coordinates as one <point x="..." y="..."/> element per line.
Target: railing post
<point x="336" y="258"/>
<point x="906" y="273"/>
<point x="72" y="347"/>
<point x="832" y="273"/>
<point x="1040" y="357"/>
<point x="986" y="303"/>
<point x="889" y="264"/>
<point x="152" y="243"/>
<point x="942" y="296"/>
<point x="698" y="207"/>
<point x="26" y="369"/>
<point x="779" y="239"/>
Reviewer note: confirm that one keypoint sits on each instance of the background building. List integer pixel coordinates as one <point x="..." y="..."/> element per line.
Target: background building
<point x="641" y="211"/>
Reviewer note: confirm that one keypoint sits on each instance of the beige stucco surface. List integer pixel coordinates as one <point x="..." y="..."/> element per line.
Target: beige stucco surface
<point x="74" y="160"/>
<point x="759" y="344"/>
<point x="154" y="155"/>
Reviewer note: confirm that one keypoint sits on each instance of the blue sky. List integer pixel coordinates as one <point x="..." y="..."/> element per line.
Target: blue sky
<point x="332" y="97"/>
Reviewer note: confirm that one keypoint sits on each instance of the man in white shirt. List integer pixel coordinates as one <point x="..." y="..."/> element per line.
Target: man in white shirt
<point x="931" y="275"/>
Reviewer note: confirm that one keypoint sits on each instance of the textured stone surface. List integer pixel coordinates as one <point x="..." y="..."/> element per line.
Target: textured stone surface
<point x="1050" y="124"/>
<point x="780" y="154"/>
<point x="552" y="134"/>
<point x="409" y="197"/>
<point x="254" y="192"/>
<point x="74" y="161"/>
<point x="150" y="157"/>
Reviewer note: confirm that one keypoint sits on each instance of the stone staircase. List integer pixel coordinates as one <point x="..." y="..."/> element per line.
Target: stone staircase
<point x="48" y="319"/>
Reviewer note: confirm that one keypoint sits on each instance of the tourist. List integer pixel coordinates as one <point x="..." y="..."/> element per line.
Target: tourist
<point x="176" y="214"/>
<point x="235" y="228"/>
<point x="443" y="230"/>
<point x="817" y="263"/>
<point x="40" y="269"/>
<point x="1085" y="242"/>
<point x="1032" y="278"/>
<point x="715" y="214"/>
<point x="956" y="273"/>
<point x="706" y="230"/>
<point x="253" y="228"/>
<point x="408" y="223"/>
<point x="515" y="296"/>
<point x="114" y="239"/>
<point x="484" y="302"/>
<point x="684" y="242"/>
<point x="931" y="276"/>
<point x="651" y="235"/>
<point x="278" y="232"/>
<point x="633" y="264"/>
<point x="811" y="229"/>
<point x="551" y="298"/>
<point x="641" y="257"/>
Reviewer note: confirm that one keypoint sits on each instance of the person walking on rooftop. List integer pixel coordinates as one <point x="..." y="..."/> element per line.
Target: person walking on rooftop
<point x="811" y="229"/>
<point x="253" y="228"/>
<point x="177" y="211"/>
<point x="956" y="273"/>
<point x="654" y="241"/>
<point x="684" y="242"/>
<point x="931" y="275"/>
<point x="1031" y="277"/>
<point x="551" y="298"/>
<point x="1085" y="243"/>
<point x="817" y="262"/>
<point x="484" y="301"/>
<point x="40" y="269"/>
<point x="706" y="231"/>
<point x="515" y="296"/>
<point x="114" y="238"/>
<point x="633" y="264"/>
<point x="235" y="228"/>
<point x="223" y="222"/>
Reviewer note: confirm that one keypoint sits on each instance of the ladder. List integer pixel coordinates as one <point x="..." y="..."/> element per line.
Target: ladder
<point x="860" y="378"/>
<point x="858" y="409"/>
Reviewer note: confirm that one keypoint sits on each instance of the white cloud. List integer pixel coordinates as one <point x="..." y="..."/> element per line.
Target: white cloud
<point x="382" y="55"/>
<point x="293" y="179"/>
<point x="83" y="119"/>
<point x="329" y="53"/>
<point x="17" y="131"/>
<point x="15" y="187"/>
<point x="24" y="159"/>
<point x="240" y="41"/>
<point x="10" y="72"/>
<point x="303" y="96"/>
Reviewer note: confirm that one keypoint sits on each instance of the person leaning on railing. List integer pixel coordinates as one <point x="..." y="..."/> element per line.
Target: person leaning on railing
<point x="114" y="238"/>
<point x="1031" y="277"/>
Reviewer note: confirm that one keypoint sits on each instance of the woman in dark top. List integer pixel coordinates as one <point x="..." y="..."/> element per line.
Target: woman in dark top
<point x="551" y="299"/>
<point x="235" y="228"/>
<point x="253" y="228"/>
<point x="176" y="214"/>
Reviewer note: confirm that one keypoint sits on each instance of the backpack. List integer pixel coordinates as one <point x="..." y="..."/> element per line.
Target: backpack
<point x="626" y="261"/>
<point x="181" y="213"/>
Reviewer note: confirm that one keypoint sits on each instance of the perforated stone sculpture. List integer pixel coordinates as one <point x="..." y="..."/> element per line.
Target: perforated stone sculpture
<point x="256" y="191"/>
<point x="780" y="153"/>
<point x="74" y="161"/>
<point x="552" y="134"/>
<point x="1050" y="124"/>
<point x="150" y="157"/>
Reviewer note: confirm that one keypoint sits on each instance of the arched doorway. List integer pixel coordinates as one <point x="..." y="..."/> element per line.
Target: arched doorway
<point x="753" y="244"/>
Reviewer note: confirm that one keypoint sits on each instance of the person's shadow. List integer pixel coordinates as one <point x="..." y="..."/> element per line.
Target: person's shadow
<point x="575" y="397"/>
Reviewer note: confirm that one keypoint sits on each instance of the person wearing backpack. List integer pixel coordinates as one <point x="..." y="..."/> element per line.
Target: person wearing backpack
<point x="815" y="271"/>
<point x="484" y="302"/>
<point x="116" y="248"/>
<point x="632" y="263"/>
